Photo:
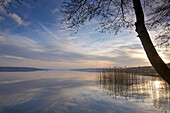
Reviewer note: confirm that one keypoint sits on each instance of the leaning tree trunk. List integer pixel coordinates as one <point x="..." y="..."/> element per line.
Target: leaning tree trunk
<point x="156" y="61"/>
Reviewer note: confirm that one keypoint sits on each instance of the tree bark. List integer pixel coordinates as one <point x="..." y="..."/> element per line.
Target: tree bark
<point x="156" y="61"/>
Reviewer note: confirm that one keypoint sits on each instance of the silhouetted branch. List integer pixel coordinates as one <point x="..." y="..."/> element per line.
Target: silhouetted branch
<point x="113" y="15"/>
<point x="107" y="10"/>
<point x="7" y="4"/>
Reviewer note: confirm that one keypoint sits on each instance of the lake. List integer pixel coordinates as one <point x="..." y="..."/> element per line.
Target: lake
<point x="82" y="92"/>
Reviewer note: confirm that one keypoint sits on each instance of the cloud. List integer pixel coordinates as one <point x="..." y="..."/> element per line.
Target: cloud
<point x="11" y="45"/>
<point x="13" y="16"/>
<point x="1" y="18"/>
<point x="18" y="19"/>
<point x="56" y="10"/>
<point x="64" y="50"/>
<point x="71" y="38"/>
<point x="65" y="53"/>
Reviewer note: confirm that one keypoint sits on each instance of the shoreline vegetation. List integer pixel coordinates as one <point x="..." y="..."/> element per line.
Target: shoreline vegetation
<point x="147" y="70"/>
<point x="141" y="70"/>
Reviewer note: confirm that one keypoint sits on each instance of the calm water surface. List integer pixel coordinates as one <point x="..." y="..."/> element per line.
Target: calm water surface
<point x="82" y="92"/>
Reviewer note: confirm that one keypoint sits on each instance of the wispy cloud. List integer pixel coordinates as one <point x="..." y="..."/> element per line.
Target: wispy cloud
<point x="55" y="10"/>
<point x="15" y="17"/>
<point x="42" y="43"/>
<point x="65" y="51"/>
<point x="1" y="18"/>
<point x="18" y="19"/>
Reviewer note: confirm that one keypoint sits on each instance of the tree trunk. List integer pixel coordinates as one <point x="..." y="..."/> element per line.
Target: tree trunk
<point x="156" y="61"/>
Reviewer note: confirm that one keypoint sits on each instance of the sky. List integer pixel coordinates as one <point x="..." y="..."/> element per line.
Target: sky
<point x="31" y="36"/>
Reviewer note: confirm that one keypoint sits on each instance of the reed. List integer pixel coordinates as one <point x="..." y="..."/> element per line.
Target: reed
<point x="124" y="83"/>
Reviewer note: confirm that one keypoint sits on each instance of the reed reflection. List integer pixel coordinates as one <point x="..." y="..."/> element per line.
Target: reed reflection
<point x="136" y="87"/>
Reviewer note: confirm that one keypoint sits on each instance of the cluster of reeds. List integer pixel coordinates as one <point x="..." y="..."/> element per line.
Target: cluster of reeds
<point x="117" y="82"/>
<point x="132" y="70"/>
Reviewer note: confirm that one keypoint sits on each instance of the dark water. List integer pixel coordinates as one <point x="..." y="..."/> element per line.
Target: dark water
<point x="82" y="92"/>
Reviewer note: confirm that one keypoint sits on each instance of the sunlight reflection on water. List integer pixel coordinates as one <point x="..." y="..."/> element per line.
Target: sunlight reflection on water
<point x="157" y="84"/>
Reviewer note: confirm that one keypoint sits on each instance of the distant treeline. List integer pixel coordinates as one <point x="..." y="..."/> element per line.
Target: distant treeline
<point x="149" y="70"/>
<point x="145" y="70"/>
<point x="138" y="70"/>
<point x="19" y="69"/>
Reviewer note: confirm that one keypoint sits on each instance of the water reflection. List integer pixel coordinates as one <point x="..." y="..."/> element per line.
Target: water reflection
<point x="139" y="88"/>
<point x="76" y="92"/>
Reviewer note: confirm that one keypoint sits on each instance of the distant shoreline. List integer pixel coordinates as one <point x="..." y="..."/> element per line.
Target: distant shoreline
<point x="139" y="69"/>
<point x="20" y="69"/>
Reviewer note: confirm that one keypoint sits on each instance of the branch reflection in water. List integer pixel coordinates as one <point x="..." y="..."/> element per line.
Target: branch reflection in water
<point x="136" y="87"/>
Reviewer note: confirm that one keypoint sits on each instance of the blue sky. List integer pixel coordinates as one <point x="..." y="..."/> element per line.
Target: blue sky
<point x="30" y="35"/>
